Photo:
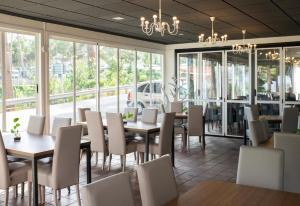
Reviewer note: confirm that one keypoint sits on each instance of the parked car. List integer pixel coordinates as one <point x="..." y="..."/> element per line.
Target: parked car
<point x="144" y="95"/>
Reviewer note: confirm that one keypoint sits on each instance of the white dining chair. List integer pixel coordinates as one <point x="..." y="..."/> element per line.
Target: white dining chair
<point x="81" y="112"/>
<point x="290" y="120"/>
<point x="290" y="144"/>
<point x="96" y="135"/>
<point x="133" y="111"/>
<point x="59" y="122"/>
<point x="157" y="182"/>
<point x="258" y="133"/>
<point x="176" y="106"/>
<point x="36" y="125"/>
<point x="11" y="174"/>
<point x="164" y="144"/>
<point x="149" y="116"/>
<point x="194" y="126"/>
<point x="110" y="191"/>
<point x="118" y="144"/>
<point x="260" y="167"/>
<point x="64" y="170"/>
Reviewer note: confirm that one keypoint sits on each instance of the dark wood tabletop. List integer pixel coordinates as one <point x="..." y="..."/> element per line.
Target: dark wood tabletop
<point x="212" y="193"/>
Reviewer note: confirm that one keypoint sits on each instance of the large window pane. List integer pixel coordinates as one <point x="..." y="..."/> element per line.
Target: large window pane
<point x="126" y="79"/>
<point x="157" y="80"/>
<point x="143" y="80"/>
<point x="292" y="74"/>
<point x="108" y="79"/>
<point x="235" y="119"/>
<point x="61" y="78"/>
<point x="86" y="73"/>
<point x="21" y="78"/>
<point x="268" y="74"/>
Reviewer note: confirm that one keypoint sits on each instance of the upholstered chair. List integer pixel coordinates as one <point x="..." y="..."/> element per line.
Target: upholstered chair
<point x="149" y="116"/>
<point x="260" y="167"/>
<point x="290" y="120"/>
<point x="36" y="125"/>
<point x="176" y="106"/>
<point x="81" y="112"/>
<point x="96" y="135"/>
<point x="157" y="182"/>
<point x="109" y="191"/>
<point x="258" y="134"/>
<point x="59" y="122"/>
<point x="118" y="144"/>
<point x="64" y="170"/>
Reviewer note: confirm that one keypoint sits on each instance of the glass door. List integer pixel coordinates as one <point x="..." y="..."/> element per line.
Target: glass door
<point x="211" y="83"/>
<point x="238" y="90"/>
<point x="292" y="76"/>
<point x="268" y="81"/>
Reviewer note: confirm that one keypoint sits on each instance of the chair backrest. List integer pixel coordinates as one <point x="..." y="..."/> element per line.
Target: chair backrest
<point x="195" y="120"/>
<point x="290" y="120"/>
<point x="176" y="107"/>
<point x="290" y="144"/>
<point x="65" y="166"/>
<point x="36" y="125"/>
<point x="133" y="111"/>
<point x="4" y="171"/>
<point x="157" y="182"/>
<point x="166" y="132"/>
<point x="149" y="116"/>
<point x="112" y="190"/>
<point x="260" y="167"/>
<point x="251" y="112"/>
<point x="95" y="131"/>
<point x="258" y="133"/>
<point x="116" y="134"/>
<point x="60" y="122"/>
<point x="81" y="112"/>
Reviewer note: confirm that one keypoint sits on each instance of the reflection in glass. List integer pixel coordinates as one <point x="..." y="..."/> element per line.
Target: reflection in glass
<point x="20" y="78"/>
<point x="268" y="74"/>
<point x="235" y="119"/>
<point x="238" y="81"/>
<point x="213" y="118"/>
<point x="292" y="74"/>
<point x="269" y="109"/>
<point x="212" y="75"/>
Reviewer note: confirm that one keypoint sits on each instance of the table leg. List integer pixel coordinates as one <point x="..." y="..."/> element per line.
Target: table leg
<point x="88" y="165"/>
<point x="146" y="147"/>
<point x="245" y="132"/>
<point x="35" y="201"/>
<point x="173" y="147"/>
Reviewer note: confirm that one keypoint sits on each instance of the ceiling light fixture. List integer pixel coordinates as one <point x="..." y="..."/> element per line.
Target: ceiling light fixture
<point x="214" y="38"/>
<point x="243" y="48"/>
<point x="158" y="25"/>
<point x="118" y="18"/>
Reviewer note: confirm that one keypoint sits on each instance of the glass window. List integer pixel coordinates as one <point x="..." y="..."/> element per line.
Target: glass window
<point x="86" y="76"/>
<point x="108" y="80"/>
<point x="126" y="79"/>
<point x="61" y="78"/>
<point x="157" y="80"/>
<point x="20" y="78"/>
<point x="292" y="74"/>
<point x="268" y="74"/>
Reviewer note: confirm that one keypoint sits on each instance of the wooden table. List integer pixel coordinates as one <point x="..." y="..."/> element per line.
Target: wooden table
<point x="212" y="193"/>
<point x="35" y="147"/>
<point x="137" y="127"/>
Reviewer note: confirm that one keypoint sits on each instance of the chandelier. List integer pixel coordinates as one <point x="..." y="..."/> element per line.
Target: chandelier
<point x="272" y="55"/>
<point x="214" y="38"/>
<point x="158" y="25"/>
<point x="238" y="49"/>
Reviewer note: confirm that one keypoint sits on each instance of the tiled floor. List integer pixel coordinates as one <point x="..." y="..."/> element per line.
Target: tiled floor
<point x="218" y="162"/>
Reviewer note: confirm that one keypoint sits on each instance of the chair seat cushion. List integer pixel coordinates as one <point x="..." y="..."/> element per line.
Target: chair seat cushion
<point x="44" y="174"/>
<point x="18" y="172"/>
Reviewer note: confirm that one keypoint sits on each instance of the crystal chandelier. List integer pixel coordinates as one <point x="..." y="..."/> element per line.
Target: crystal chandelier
<point x="238" y="49"/>
<point x="272" y="55"/>
<point x="158" y="25"/>
<point x="214" y="38"/>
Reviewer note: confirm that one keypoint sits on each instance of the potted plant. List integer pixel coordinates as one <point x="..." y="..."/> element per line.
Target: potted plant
<point x="298" y="131"/>
<point x="127" y="116"/>
<point x="15" y="129"/>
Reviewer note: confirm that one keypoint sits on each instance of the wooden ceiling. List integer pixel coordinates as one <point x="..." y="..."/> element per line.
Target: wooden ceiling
<point x="261" y="18"/>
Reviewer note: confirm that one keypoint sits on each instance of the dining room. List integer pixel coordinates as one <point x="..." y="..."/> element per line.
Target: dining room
<point x="154" y="102"/>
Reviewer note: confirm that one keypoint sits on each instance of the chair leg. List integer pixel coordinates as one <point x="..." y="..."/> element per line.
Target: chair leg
<point x="55" y="197"/>
<point x="134" y="155"/>
<point x="78" y="194"/>
<point x="81" y="153"/>
<point x="16" y="191"/>
<point x="43" y="188"/>
<point x="96" y="158"/>
<point x="203" y="142"/>
<point x="142" y="157"/>
<point x="199" y="139"/>
<point x="29" y="185"/>
<point x="109" y="161"/>
<point x="124" y="162"/>
<point x="103" y="161"/>
<point x="121" y="160"/>
<point x="6" y="197"/>
<point x="69" y="190"/>
<point x="188" y="142"/>
<point x="40" y="192"/>
<point x="22" y="189"/>
<point x="138" y="158"/>
<point x="59" y="195"/>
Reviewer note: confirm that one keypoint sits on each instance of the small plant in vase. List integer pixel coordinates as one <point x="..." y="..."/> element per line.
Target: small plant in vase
<point x="15" y="129"/>
<point x="127" y="116"/>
